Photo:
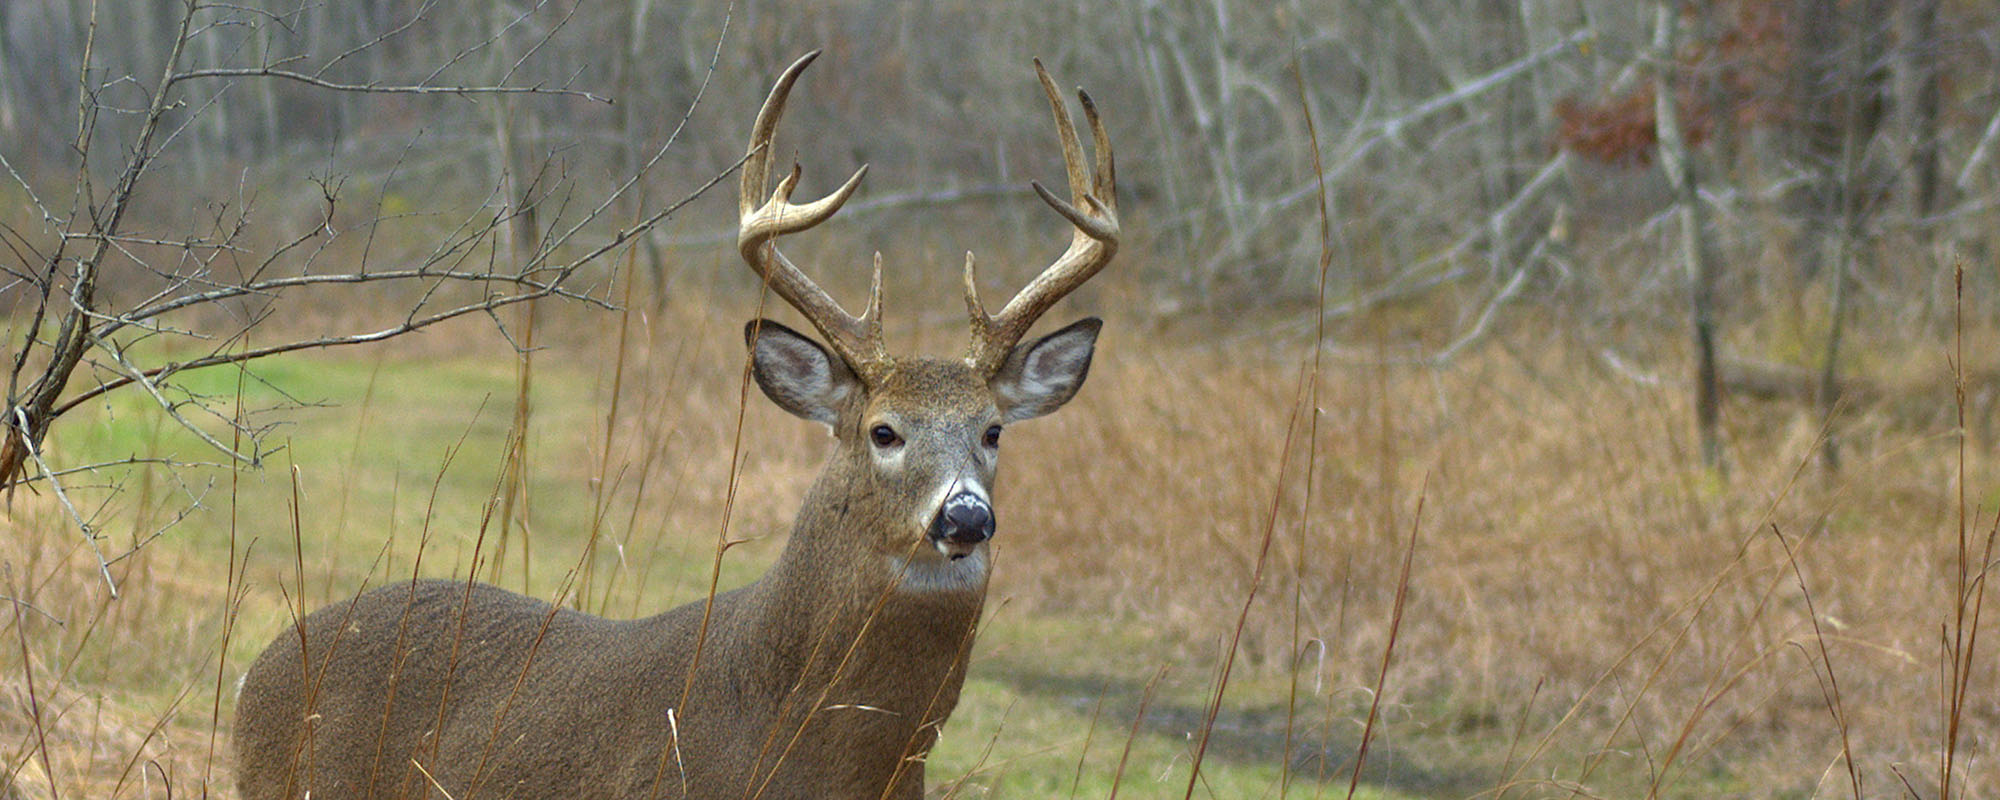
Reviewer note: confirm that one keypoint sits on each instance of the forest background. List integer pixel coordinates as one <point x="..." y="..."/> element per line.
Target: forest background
<point x="1539" y="398"/>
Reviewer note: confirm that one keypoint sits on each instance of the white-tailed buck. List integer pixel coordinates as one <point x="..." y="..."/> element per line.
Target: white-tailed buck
<point x="829" y="677"/>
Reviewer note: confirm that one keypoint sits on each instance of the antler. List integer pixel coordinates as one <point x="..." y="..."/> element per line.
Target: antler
<point x="1092" y="246"/>
<point x="858" y="340"/>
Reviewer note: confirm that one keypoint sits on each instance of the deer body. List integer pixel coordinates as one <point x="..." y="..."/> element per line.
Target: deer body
<point x="772" y="655"/>
<point x="829" y="677"/>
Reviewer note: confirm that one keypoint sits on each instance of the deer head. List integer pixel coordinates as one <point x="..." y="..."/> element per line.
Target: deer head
<point x="919" y="438"/>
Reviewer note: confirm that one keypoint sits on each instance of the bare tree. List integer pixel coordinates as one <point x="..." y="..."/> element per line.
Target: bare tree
<point x="109" y="303"/>
<point x="1918" y="97"/>
<point x="1678" y="163"/>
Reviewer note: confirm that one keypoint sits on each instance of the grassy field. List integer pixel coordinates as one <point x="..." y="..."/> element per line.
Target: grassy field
<point x="1587" y="612"/>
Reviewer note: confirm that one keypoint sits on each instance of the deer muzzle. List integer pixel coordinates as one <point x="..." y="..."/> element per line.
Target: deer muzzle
<point x="965" y="519"/>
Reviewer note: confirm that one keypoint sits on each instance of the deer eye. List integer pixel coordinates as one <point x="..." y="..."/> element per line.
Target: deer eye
<point x="993" y="436"/>
<point x="884" y="436"/>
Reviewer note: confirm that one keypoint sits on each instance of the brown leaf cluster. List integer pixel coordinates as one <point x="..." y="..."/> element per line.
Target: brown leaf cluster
<point x="1733" y="70"/>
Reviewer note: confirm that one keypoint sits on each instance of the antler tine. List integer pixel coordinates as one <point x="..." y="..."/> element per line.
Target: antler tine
<point x="858" y="340"/>
<point x="973" y="307"/>
<point x="1073" y="161"/>
<point x="757" y="163"/>
<point x="1092" y="210"/>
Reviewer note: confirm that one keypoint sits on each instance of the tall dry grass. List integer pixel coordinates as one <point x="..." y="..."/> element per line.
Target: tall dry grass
<point x="1587" y="607"/>
<point x="1584" y="592"/>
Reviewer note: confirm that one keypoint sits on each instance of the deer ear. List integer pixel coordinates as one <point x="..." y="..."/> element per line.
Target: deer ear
<point x="1040" y="376"/>
<point x="796" y="373"/>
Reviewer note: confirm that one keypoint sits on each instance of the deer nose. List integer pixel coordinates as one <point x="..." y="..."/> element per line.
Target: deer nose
<point x="965" y="519"/>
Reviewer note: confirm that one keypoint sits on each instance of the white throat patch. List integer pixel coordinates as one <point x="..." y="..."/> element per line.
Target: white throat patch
<point x="927" y="572"/>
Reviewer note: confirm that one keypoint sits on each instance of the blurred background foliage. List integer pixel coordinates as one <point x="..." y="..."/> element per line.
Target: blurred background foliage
<point x="1463" y="142"/>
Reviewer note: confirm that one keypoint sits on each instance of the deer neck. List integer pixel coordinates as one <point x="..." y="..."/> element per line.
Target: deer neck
<point x="835" y="586"/>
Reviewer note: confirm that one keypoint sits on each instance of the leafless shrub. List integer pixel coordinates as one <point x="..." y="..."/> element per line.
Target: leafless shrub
<point x="107" y="295"/>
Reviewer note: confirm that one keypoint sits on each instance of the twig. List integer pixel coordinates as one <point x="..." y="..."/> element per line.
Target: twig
<point x="1486" y="315"/>
<point x="31" y="607"/>
<point x="33" y="453"/>
<point x="163" y="461"/>
<point x="194" y="503"/>
<point x="1420" y="278"/>
<point x="1370" y="135"/>
<point x="139" y="376"/>
<point x="1980" y="153"/>
<point x="375" y="88"/>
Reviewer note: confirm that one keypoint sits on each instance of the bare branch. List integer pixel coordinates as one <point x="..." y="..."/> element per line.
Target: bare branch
<point x="376" y="88"/>
<point x="133" y="461"/>
<point x="552" y="286"/>
<point x="142" y="379"/>
<point x="21" y="439"/>
<point x="415" y="17"/>
<point x="644" y="169"/>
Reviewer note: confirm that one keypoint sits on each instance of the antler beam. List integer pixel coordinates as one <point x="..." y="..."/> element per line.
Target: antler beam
<point x="858" y="340"/>
<point x="1092" y="210"/>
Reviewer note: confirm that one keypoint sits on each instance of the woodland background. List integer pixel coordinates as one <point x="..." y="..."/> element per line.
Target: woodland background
<point x="1532" y="398"/>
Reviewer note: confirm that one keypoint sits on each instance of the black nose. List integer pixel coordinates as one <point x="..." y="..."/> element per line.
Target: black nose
<point x="965" y="519"/>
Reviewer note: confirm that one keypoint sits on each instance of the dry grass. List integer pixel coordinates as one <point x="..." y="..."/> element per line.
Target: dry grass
<point x="1573" y="557"/>
<point x="1587" y="606"/>
<point x="115" y="697"/>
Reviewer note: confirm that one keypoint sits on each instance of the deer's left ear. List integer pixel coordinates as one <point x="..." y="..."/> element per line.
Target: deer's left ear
<point x="1040" y="376"/>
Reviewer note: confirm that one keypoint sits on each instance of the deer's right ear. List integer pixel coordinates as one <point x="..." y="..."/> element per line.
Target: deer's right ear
<point x="796" y="373"/>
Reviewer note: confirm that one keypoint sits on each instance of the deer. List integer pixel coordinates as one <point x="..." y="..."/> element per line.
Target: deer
<point x="828" y="677"/>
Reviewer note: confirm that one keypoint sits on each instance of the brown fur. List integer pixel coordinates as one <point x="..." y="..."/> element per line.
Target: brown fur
<point x="498" y="695"/>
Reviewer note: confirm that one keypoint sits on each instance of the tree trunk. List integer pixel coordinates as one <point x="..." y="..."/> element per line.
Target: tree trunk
<point x="1679" y="166"/>
<point x="1917" y="100"/>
